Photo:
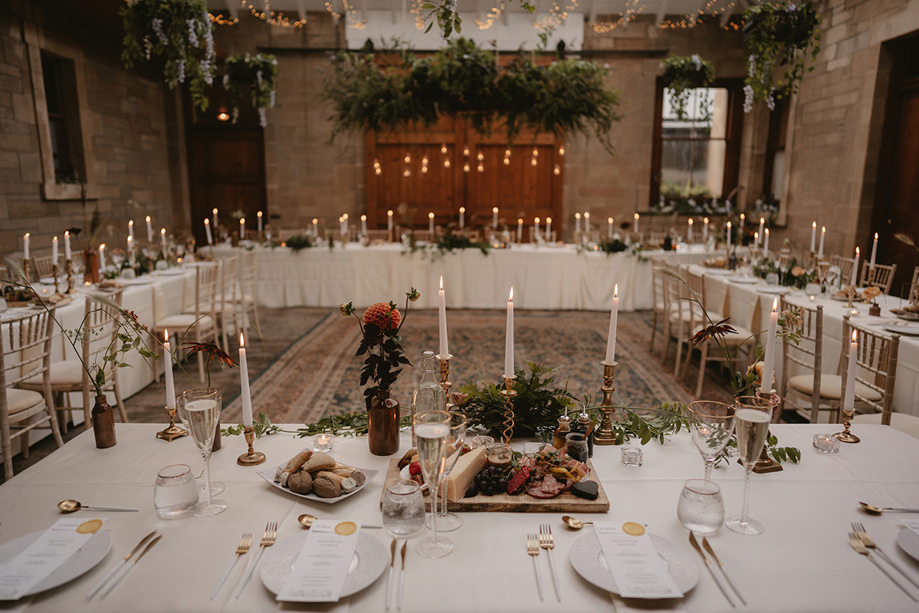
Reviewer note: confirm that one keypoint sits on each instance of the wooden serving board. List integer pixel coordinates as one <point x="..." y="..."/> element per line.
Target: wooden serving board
<point x="566" y="502"/>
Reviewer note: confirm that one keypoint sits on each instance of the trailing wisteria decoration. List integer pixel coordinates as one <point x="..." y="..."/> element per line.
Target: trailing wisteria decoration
<point x="253" y="80"/>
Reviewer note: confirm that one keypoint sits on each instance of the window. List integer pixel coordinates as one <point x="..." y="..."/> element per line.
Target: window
<point x="774" y="174"/>
<point x="63" y="118"/>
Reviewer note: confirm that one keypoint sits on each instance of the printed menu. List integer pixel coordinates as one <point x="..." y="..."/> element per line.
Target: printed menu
<point x="634" y="562"/>
<point x="320" y="572"/>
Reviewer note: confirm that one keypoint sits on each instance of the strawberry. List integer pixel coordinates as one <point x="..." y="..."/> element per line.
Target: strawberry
<point x="518" y="480"/>
<point x="414" y="468"/>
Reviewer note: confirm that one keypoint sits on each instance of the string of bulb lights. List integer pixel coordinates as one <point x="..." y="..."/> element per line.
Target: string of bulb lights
<point x="480" y="161"/>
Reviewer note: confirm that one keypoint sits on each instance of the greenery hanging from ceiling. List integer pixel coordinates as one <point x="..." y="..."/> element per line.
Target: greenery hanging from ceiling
<point x="252" y="80"/>
<point x="179" y="33"/>
<point x="567" y="96"/>
<point x="779" y="37"/>
<point x="447" y="17"/>
<point x="681" y="76"/>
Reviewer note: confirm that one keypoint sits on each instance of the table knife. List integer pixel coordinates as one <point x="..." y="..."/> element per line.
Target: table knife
<point x="402" y="576"/>
<point x="118" y="566"/>
<point x="127" y="568"/>
<point x="709" y="549"/>
<point x="695" y="545"/>
<point x="392" y="564"/>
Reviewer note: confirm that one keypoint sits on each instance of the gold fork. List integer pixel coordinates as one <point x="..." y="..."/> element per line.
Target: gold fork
<point x="268" y="538"/>
<point x="860" y="547"/>
<point x="862" y="535"/>
<point x="548" y="543"/>
<point x="533" y="550"/>
<point x="241" y="550"/>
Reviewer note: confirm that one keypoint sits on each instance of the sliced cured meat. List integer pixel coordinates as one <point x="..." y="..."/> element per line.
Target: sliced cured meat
<point x="548" y="487"/>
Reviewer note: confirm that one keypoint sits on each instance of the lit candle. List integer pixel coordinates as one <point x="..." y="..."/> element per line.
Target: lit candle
<point x="509" y="337"/>
<point x="636" y="216"/>
<point x="766" y="242"/>
<point x="743" y="219"/>
<point x="727" y="232"/>
<point x="874" y="249"/>
<point x="167" y="368"/>
<point x="431" y="222"/>
<point x="207" y="230"/>
<point x="214" y="214"/>
<point x="363" y="225"/>
<point x="548" y="228"/>
<point x="855" y="269"/>
<point x="345" y="219"/>
<point x="389" y="220"/>
<point x="259" y="216"/>
<point x="613" y="319"/>
<point x="315" y="227"/>
<point x="131" y="228"/>
<point x="762" y="223"/>
<point x="244" y="383"/>
<point x="149" y="230"/>
<point x="609" y="227"/>
<point x="822" y="236"/>
<point x="130" y="250"/>
<point x="769" y="357"/>
<point x="25" y="246"/>
<point x="462" y="220"/>
<point x="577" y="222"/>
<point x="849" y="402"/>
<point x="54" y="255"/>
<point x="163" y="240"/>
<point x="587" y="221"/>
<point x="705" y="229"/>
<point x="494" y="218"/>
<point x="67" y="252"/>
<point x="102" y="258"/>
<point x="442" y="321"/>
<point x="756" y="238"/>
<point x="242" y="228"/>
<point x="519" y="229"/>
<point x="814" y="236"/>
<point x="689" y="229"/>
<point x="535" y="228"/>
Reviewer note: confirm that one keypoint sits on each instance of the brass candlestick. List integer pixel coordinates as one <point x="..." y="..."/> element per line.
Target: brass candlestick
<point x="68" y="266"/>
<point x="509" y="395"/>
<point x="445" y="377"/>
<point x="604" y="435"/>
<point x="55" y="271"/>
<point x="25" y="268"/>
<point x="173" y="431"/>
<point x="845" y="436"/>
<point x="251" y="457"/>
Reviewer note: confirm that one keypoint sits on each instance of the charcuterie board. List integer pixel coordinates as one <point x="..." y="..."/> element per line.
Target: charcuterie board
<point x="566" y="502"/>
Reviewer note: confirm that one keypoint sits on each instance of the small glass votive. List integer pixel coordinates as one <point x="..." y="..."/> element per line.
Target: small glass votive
<point x="499" y="454"/>
<point x="322" y="442"/>
<point x="531" y="449"/>
<point x="482" y="440"/>
<point x="632" y="456"/>
<point x="826" y="443"/>
<point x="176" y="492"/>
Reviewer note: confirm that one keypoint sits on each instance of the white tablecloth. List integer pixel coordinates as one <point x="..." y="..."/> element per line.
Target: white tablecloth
<point x="803" y="561"/>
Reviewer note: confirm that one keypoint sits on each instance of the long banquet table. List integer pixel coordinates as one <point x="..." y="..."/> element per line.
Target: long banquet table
<point x="803" y="561"/>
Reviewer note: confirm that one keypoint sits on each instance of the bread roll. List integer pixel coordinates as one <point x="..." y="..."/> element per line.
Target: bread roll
<point x="407" y="458"/>
<point x="292" y="466"/>
<point x="319" y="461"/>
<point x="327" y="484"/>
<point x="300" y="482"/>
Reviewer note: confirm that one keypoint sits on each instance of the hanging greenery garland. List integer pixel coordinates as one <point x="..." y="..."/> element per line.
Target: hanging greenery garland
<point x="447" y="17"/>
<point x="779" y="37"/>
<point x="568" y="96"/>
<point x="179" y="32"/>
<point x="681" y="76"/>
<point x="252" y="80"/>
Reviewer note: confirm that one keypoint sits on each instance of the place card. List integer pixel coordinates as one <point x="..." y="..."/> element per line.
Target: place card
<point x="912" y="524"/>
<point x="634" y="562"/>
<point x="45" y="555"/>
<point x="320" y="572"/>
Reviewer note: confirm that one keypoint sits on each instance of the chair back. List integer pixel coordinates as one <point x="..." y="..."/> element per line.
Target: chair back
<point x="881" y="276"/>
<point x="25" y="350"/>
<point x="914" y="287"/>
<point x="658" y="284"/>
<point x="424" y="236"/>
<point x="228" y="285"/>
<point x="876" y="355"/>
<point x="286" y="233"/>
<point x="846" y="265"/>
<point x="42" y="267"/>
<point x="248" y="273"/>
<point x="99" y="333"/>
<point x="696" y="286"/>
<point x="807" y="353"/>
<point x="206" y="279"/>
<point x="377" y="236"/>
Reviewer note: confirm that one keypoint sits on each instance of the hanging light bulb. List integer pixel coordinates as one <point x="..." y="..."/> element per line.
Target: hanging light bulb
<point x="377" y="171"/>
<point x="424" y="161"/>
<point x="466" y="151"/>
<point x="465" y="167"/>
<point x="535" y="152"/>
<point x="480" y="157"/>
<point x="443" y="149"/>
<point x="424" y="170"/>
<point x="408" y="158"/>
<point x="447" y="163"/>
<point x="407" y="172"/>
<point x="507" y="153"/>
<point x="507" y="161"/>
<point x="533" y="161"/>
<point x="557" y="170"/>
<point x="561" y="151"/>
<point x="481" y="167"/>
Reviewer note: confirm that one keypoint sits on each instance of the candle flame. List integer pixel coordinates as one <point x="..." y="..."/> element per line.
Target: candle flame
<point x="345" y="216"/>
<point x="131" y="223"/>
<point x="856" y="252"/>
<point x="494" y="210"/>
<point x="207" y="221"/>
<point x="148" y="218"/>
<point x="548" y="220"/>
<point x="67" y="233"/>
<point x="766" y="231"/>
<point x="775" y="304"/>
<point x="510" y="298"/>
<point x="756" y="236"/>
<point x="854" y="336"/>
<point x="636" y="216"/>
<point x="609" y="220"/>
<point x="814" y="225"/>
<point x="690" y="220"/>
<point x="705" y="219"/>
<point x="166" y="335"/>
<point x="536" y="220"/>
<point x="875" y="236"/>
<point x="259" y="214"/>
<point x="729" y="225"/>
<point x="441" y="283"/>
<point x="102" y="247"/>
<point x="363" y="218"/>
<point x="389" y="212"/>
<point x="577" y="215"/>
<point x="587" y="215"/>
<point x="520" y="221"/>
<point x="762" y="220"/>
<point x="54" y="240"/>
<point x="462" y="209"/>
<point x="242" y="340"/>
<point x="130" y="238"/>
<point x="823" y="229"/>
<point x="742" y="217"/>
<point x="315" y="221"/>
<point x="214" y="211"/>
<point x="616" y="290"/>
<point x="163" y="231"/>
<point x="431" y="215"/>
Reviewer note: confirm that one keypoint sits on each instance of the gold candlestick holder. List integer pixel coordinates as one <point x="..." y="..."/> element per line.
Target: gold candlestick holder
<point x="445" y="377"/>
<point x="68" y="266"/>
<point x="25" y="269"/>
<point x="872" y="273"/>
<point x="509" y="395"/>
<point x="55" y="272"/>
<point x="845" y="436"/>
<point x="251" y="457"/>
<point x="604" y="434"/>
<point x="172" y="431"/>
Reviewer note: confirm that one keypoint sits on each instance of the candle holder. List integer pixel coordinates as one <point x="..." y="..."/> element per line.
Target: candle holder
<point x="445" y="377"/>
<point x="872" y="272"/>
<point x="25" y="268"/>
<point x="55" y="272"/>
<point x="604" y="435"/>
<point x="68" y="266"/>
<point x="251" y="457"/>
<point x="845" y="436"/>
<point x="509" y="395"/>
<point x="172" y="431"/>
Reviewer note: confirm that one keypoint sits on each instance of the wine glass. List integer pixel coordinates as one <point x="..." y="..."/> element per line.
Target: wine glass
<point x="199" y="410"/>
<point x="711" y="425"/>
<point x="432" y="433"/>
<point x="752" y="416"/>
<point x="701" y="508"/>
<point x="448" y="522"/>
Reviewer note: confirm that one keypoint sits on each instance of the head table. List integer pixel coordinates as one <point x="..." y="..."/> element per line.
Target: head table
<point x="803" y="561"/>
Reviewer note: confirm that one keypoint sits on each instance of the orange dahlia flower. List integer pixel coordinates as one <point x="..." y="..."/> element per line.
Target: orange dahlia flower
<point x="383" y="315"/>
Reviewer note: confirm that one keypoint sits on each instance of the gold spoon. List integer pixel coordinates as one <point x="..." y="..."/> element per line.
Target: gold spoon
<point x="574" y="523"/>
<point x="71" y="506"/>
<point x="306" y="520"/>
<point x="873" y="510"/>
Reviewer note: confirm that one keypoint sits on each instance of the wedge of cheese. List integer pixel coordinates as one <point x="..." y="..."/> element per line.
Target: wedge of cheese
<point x="462" y="475"/>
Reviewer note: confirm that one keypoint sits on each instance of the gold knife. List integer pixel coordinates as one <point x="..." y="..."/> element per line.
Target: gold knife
<point x="695" y="544"/>
<point x="709" y="549"/>
<point x="118" y="566"/>
<point x="128" y="567"/>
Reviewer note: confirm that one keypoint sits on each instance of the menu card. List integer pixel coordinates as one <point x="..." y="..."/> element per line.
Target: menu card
<point x="634" y="562"/>
<point x="913" y="525"/>
<point x="320" y="572"/>
<point x="45" y="555"/>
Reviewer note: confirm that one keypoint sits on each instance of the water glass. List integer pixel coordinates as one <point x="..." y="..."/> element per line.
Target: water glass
<point x="175" y="493"/>
<point x="403" y="508"/>
<point x="576" y="446"/>
<point x="701" y="508"/>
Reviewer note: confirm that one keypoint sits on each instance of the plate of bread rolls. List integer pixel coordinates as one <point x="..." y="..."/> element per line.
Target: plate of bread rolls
<point x="316" y="475"/>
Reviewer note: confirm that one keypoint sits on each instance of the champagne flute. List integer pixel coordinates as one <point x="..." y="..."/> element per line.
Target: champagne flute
<point x="199" y="410"/>
<point x="432" y="433"/>
<point x="753" y="415"/>
<point x="711" y="426"/>
<point x="449" y="522"/>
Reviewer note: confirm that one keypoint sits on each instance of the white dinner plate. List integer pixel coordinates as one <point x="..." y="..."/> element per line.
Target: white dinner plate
<point x="744" y="280"/>
<point x="268" y="475"/>
<point x="909" y="542"/>
<point x="369" y="562"/>
<point x="904" y="330"/>
<point x="774" y="289"/>
<point x="85" y="558"/>
<point x="587" y="559"/>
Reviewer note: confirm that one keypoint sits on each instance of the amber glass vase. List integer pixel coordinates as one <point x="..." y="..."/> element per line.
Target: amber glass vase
<point x="383" y="424"/>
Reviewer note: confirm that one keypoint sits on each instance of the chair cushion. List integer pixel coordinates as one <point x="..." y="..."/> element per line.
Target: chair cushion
<point x="66" y="374"/>
<point x="181" y="321"/>
<point x="18" y="400"/>
<point x="899" y="421"/>
<point x="831" y="387"/>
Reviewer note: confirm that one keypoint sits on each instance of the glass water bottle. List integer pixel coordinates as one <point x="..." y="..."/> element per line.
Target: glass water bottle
<point x="429" y="395"/>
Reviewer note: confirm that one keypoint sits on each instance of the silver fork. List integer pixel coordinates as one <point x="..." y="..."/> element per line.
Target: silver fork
<point x="533" y="550"/>
<point x="242" y="549"/>
<point x="862" y="535"/>
<point x="548" y="543"/>
<point x="859" y="546"/>
<point x="268" y="538"/>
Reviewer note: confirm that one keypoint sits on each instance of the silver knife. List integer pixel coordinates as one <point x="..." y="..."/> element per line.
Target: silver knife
<point x="695" y="544"/>
<point x="709" y="549"/>
<point x="392" y="564"/>
<point x="118" y="566"/>
<point x="402" y="576"/>
<point x="127" y="568"/>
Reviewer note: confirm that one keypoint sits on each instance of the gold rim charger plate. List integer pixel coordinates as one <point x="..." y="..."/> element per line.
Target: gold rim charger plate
<point x="83" y="560"/>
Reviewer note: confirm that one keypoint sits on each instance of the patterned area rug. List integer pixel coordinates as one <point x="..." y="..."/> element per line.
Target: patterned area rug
<point x="318" y="374"/>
